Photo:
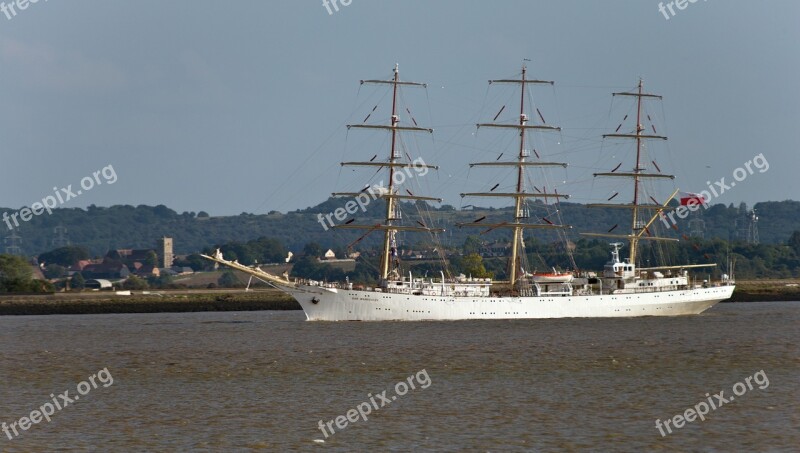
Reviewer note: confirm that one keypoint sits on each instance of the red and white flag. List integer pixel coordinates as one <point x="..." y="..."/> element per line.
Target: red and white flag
<point x="688" y="198"/>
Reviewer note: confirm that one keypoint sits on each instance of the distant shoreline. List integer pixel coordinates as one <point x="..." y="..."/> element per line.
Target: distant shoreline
<point x="107" y="302"/>
<point x="786" y="290"/>
<point x="188" y="301"/>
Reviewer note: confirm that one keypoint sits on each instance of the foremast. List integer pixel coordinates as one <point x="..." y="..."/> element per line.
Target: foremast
<point x="639" y="227"/>
<point x="395" y="162"/>
<point x="520" y="194"/>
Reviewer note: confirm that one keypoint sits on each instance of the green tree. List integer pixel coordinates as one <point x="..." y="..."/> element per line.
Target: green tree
<point x="54" y="271"/>
<point x="162" y="281"/>
<point x="307" y="266"/>
<point x="471" y="245"/>
<point x="195" y="261"/>
<point x="794" y="242"/>
<point x="134" y="282"/>
<point x="16" y="276"/>
<point x="42" y="286"/>
<point x="15" y="272"/>
<point x="472" y="264"/>
<point x="64" y="256"/>
<point x="313" y="249"/>
<point x="164" y="212"/>
<point x="268" y="250"/>
<point x="236" y="251"/>
<point x="228" y="279"/>
<point x="77" y="281"/>
<point x="151" y="259"/>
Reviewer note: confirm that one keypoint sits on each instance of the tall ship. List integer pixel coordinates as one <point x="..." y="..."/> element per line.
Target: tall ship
<point x="621" y="289"/>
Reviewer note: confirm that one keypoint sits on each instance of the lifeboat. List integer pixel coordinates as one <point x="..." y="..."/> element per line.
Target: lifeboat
<point x="551" y="277"/>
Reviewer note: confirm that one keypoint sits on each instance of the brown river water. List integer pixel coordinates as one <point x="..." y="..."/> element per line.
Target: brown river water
<point x="264" y="380"/>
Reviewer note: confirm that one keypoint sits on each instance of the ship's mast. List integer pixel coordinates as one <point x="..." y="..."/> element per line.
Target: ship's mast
<point x="389" y="240"/>
<point x="390" y="225"/>
<point x="636" y="170"/>
<point x="520" y="180"/>
<point x="520" y="194"/>
<point x="638" y="227"/>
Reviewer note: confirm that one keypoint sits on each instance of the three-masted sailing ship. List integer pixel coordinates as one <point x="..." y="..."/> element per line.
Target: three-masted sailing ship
<point x="622" y="290"/>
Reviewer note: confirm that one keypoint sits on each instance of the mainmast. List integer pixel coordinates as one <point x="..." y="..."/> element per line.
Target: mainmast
<point x="394" y="163"/>
<point x="521" y="162"/>
<point x="638" y="174"/>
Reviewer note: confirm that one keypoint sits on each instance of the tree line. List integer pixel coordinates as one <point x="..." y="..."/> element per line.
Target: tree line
<point x="100" y="229"/>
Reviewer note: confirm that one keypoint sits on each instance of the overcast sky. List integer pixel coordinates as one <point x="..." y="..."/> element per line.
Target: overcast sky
<point x="240" y="106"/>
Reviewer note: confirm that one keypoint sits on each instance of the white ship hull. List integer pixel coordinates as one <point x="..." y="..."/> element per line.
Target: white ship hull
<point x="336" y="304"/>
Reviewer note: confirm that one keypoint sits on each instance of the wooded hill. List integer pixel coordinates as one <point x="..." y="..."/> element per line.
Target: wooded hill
<point x="100" y="229"/>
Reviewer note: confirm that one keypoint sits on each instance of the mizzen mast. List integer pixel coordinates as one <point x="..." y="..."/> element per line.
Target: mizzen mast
<point x="639" y="173"/>
<point x="520" y="194"/>
<point x="394" y="163"/>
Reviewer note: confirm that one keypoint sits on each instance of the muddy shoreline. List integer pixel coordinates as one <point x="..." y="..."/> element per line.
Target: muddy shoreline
<point x="152" y="302"/>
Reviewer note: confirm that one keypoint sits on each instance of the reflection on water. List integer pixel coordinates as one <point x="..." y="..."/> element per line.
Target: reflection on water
<point x="264" y="380"/>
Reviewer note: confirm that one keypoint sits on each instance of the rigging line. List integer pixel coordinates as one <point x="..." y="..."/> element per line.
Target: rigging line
<point x="560" y="142"/>
<point x="292" y="175"/>
<point x="600" y="124"/>
<point x="603" y="87"/>
<point x="319" y="148"/>
<point x="384" y="95"/>
<point x="450" y="126"/>
<point x="430" y="112"/>
<point x="608" y="115"/>
<point x="460" y="130"/>
<point x="358" y="93"/>
<point x="557" y="104"/>
<point x="670" y="155"/>
<point x="344" y="150"/>
<point x="369" y="265"/>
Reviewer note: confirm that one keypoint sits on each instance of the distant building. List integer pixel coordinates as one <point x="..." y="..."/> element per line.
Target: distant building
<point x="136" y="258"/>
<point x="495" y="249"/>
<point x="182" y="270"/>
<point x="37" y="273"/>
<point x="330" y="257"/>
<point x="98" y="283"/>
<point x="147" y="270"/>
<point x="176" y="271"/>
<point x="106" y="270"/>
<point x="129" y="256"/>
<point x="411" y="254"/>
<point x="80" y="265"/>
<point x="165" y="253"/>
<point x="420" y="254"/>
